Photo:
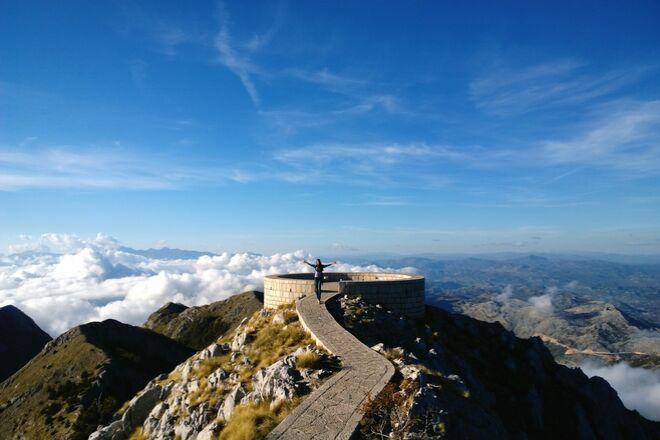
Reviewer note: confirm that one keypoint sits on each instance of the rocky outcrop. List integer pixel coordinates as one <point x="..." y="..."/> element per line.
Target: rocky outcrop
<point x="197" y="327"/>
<point x="198" y="398"/>
<point x="463" y="378"/>
<point x="20" y="340"/>
<point x="575" y="331"/>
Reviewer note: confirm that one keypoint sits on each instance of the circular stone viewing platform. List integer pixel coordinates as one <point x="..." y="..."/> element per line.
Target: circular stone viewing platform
<point x="398" y="292"/>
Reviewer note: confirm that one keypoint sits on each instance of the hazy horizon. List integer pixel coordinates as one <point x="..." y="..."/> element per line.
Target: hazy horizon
<point x="360" y="127"/>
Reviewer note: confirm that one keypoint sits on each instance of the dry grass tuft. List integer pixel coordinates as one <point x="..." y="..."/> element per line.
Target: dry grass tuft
<point x="120" y="412"/>
<point x="138" y="434"/>
<point x="208" y="366"/>
<point x="308" y="360"/>
<point x="254" y="421"/>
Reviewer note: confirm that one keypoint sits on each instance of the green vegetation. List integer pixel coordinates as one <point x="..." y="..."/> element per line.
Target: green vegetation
<point x="53" y="381"/>
<point x="197" y="327"/>
<point x="266" y="343"/>
<point x="269" y="335"/>
<point x="272" y="341"/>
<point x="208" y="366"/>
<point x="56" y="395"/>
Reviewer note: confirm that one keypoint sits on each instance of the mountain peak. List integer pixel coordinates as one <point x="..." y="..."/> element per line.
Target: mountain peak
<point x="20" y="339"/>
<point x="83" y="376"/>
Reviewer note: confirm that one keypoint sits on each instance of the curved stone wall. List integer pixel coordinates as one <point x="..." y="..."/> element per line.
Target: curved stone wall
<point x="285" y="289"/>
<point x="399" y="292"/>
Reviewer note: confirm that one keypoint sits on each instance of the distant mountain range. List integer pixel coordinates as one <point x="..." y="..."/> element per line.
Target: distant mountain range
<point x="164" y="253"/>
<point x="502" y="256"/>
<point x="575" y="331"/>
<point x="612" y="309"/>
<point x="167" y="253"/>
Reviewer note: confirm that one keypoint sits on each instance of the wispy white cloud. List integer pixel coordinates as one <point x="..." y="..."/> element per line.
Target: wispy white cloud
<point x="329" y="80"/>
<point x="357" y="104"/>
<point x="115" y="167"/>
<point x="168" y="36"/>
<point x="625" y="135"/>
<point x="369" y="164"/>
<point x="237" y="55"/>
<point x="543" y="303"/>
<point x="530" y="196"/>
<point x="107" y="168"/>
<point x="384" y="153"/>
<point x="505" y="295"/>
<point x="235" y="62"/>
<point x="505" y="89"/>
<point x="380" y="200"/>
<point x="387" y="103"/>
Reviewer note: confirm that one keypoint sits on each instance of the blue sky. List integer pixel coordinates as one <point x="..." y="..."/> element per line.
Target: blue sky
<point x="337" y="127"/>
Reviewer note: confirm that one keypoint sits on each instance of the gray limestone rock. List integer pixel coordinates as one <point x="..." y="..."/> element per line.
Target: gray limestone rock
<point x="239" y="340"/>
<point x="213" y="350"/>
<point x="142" y="404"/>
<point x="277" y="382"/>
<point x="215" y="379"/>
<point x="114" y="431"/>
<point x="209" y="432"/>
<point x="230" y="402"/>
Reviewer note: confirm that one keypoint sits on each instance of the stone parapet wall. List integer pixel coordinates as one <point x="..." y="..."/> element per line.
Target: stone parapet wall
<point x="404" y="296"/>
<point x="284" y="289"/>
<point x="401" y="293"/>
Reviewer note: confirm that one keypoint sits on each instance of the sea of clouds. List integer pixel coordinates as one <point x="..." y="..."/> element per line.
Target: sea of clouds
<point x="63" y="280"/>
<point x="638" y="388"/>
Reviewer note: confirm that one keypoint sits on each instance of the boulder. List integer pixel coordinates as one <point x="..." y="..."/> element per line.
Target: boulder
<point x="277" y="381"/>
<point x="142" y="404"/>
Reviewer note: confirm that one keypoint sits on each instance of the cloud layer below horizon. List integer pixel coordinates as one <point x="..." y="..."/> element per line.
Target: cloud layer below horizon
<point x="61" y="280"/>
<point x="638" y="388"/>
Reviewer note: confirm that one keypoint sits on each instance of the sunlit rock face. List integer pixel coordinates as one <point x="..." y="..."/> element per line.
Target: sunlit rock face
<point x="463" y="378"/>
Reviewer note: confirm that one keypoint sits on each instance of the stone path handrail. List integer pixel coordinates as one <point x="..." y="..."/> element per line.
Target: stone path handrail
<point x="333" y="411"/>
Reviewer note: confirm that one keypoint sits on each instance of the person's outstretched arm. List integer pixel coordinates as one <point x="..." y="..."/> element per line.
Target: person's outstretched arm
<point x="308" y="263"/>
<point x="329" y="264"/>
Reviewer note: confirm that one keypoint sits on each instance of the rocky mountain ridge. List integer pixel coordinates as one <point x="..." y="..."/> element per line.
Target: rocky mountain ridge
<point x="457" y="377"/>
<point x="20" y="340"/>
<point x="575" y="330"/>
<point x="81" y="378"/>
<point x="240" y="386"/>
<point x="197" y="327"/>
<point x="462" y="378"/>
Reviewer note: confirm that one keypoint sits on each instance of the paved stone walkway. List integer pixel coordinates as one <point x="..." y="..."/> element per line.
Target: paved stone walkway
<point x="332" y="411"/>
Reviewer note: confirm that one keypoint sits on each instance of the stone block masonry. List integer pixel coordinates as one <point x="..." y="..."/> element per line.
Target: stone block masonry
<point x="398" y="292"/>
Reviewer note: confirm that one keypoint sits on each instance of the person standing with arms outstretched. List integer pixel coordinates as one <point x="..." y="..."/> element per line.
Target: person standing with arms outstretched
<point x="318" y="275"/>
